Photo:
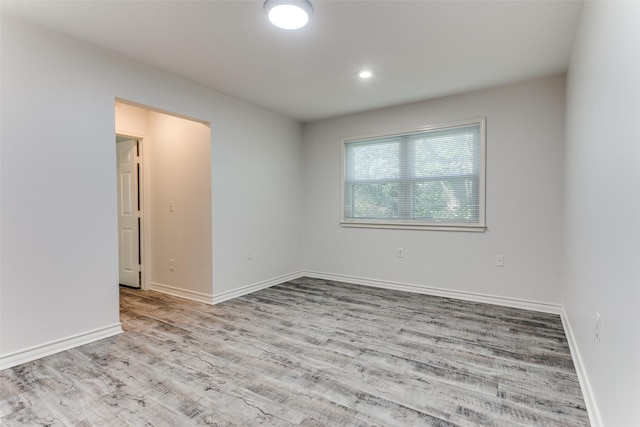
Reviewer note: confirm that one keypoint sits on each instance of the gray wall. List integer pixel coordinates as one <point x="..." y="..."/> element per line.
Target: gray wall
<point x="525" y="130"/>
<point x="59" y="224"/>
<point x="602" y="205"/>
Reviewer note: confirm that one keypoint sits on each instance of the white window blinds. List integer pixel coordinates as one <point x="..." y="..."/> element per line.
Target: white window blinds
<point x="431" y="177"/>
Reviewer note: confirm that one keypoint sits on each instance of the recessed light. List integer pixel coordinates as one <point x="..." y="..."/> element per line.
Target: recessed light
<point x="364" y="74"/>
<point x="288" y="14"/>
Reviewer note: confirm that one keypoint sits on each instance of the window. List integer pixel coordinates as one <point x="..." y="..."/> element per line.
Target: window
<point x="432" y="177"/>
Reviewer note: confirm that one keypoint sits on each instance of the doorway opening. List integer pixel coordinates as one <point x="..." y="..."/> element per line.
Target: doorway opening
<point x="166" y="246"/>
<point x="130" y="229"/>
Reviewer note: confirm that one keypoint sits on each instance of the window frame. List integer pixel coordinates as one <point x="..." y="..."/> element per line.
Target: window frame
<point x="479" y="226"/>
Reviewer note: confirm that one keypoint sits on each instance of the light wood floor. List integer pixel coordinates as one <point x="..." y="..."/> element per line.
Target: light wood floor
<point x="310" y="353"/>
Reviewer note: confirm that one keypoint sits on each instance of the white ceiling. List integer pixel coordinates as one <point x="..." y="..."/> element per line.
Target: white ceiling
<point x="417" y="49"/>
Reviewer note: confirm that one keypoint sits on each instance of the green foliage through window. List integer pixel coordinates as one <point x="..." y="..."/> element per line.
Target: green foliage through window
<point x="425" y="177"/>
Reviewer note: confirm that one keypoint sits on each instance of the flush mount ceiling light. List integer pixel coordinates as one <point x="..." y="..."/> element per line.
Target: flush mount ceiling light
<point x="364" y="74"/>
<point x="288" y="14"/>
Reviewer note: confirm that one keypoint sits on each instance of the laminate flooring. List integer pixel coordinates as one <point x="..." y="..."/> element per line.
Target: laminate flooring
<point x="308" y="352"/>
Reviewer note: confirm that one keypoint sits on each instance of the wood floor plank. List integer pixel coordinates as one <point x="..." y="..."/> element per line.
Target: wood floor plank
<point x="308" y="352"/>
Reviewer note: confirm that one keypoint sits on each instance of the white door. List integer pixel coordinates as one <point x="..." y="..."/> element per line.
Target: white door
<point x="128" y="213"/>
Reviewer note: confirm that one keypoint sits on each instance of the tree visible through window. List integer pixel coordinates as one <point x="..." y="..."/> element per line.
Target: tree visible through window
<point x="433" y="176"/>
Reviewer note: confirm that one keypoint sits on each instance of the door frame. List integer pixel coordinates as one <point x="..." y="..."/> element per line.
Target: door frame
<point x="142" y="194"/>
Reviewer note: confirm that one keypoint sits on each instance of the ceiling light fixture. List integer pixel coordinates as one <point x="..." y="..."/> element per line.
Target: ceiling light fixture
<point x="288" y="14"/>
<point x="364" y="74"/>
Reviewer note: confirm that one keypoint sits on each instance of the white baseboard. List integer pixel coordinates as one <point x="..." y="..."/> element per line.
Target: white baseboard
<point x="440" y="292"/>
<point x="182" y="293"/>
<point x="225" y="296"/>
<point x="468" y="296"/>
<point x="587" y="392"/>
<point x="39" y="351"/>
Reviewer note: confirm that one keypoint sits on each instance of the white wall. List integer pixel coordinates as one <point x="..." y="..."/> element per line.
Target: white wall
<point x="180" y="171"/>
<point x="525" y="128"/>
<point x="59" y="225"/>
<point x="602" y="205"/>
<point x="177" y="166"/>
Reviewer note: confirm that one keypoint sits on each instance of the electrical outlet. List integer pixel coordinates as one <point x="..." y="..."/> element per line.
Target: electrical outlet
<point x="400" y="253"/>
<point x="249" y="254"/>
<point x="172" y="206"/>
<point x="499" y="260"/>
<point x="172" y="264"/>
<point x="598" y="330"/>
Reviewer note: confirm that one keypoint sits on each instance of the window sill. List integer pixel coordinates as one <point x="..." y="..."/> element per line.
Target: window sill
<point x="410" y="226"/>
